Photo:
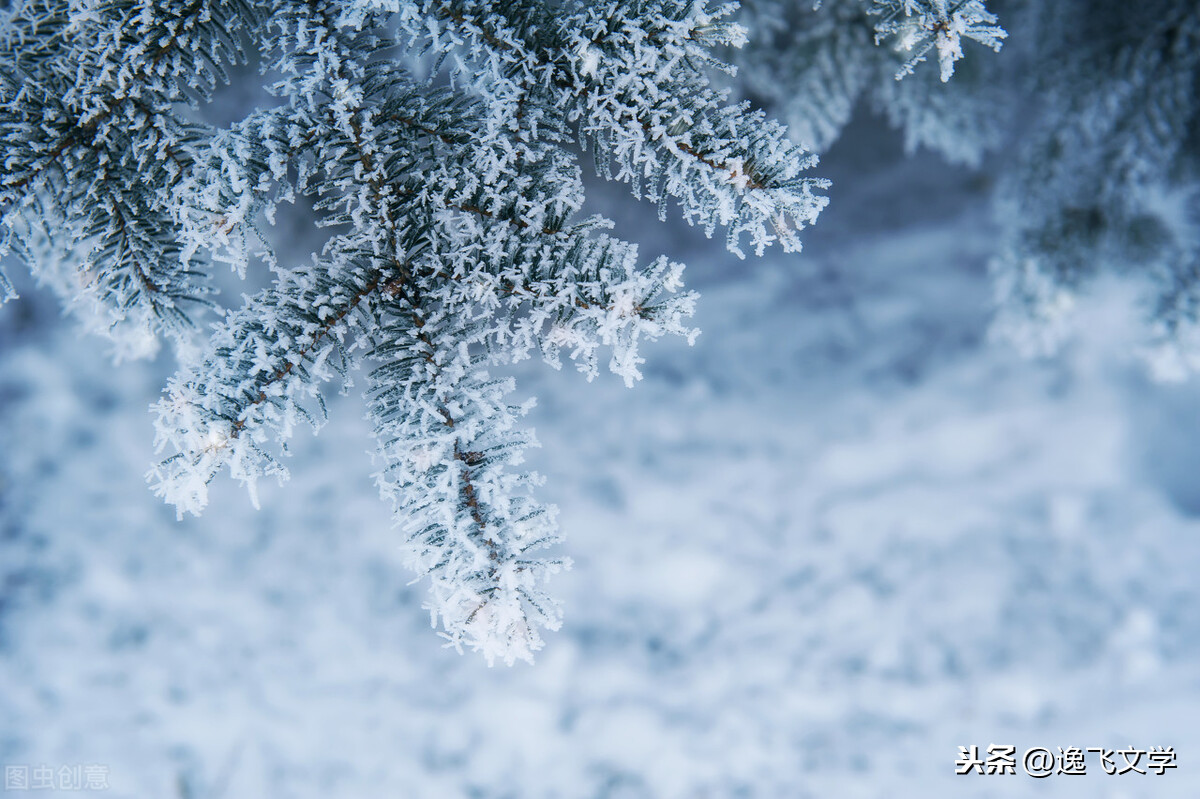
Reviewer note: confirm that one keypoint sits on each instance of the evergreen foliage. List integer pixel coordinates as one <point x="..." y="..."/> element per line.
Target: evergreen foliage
<point x="1107" y="178"/>
<point x="814" y="61"/>
<point x="441" y="146"/>
<point x="452" y="202"/>
<point x="1091" y="111"/>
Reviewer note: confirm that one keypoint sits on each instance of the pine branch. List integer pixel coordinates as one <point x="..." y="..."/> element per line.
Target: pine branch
<point x="1108" y="178"/>
<point x="814" y="64"/>
<point x="455" y="242"/>
<point x="632" y="84"/>
<point x="921" y="26"/>
<point x="95" y="147"/>
<point x="447" y="439"/>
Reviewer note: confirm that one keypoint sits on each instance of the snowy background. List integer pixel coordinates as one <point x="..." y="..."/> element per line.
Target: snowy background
<point x="841" y="536"/>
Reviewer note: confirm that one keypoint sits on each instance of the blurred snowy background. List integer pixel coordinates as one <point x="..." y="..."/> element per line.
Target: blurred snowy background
<point x="840" y="537"/>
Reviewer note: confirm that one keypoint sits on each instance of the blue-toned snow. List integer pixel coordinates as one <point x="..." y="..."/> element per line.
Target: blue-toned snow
<point x="841" y="536"/>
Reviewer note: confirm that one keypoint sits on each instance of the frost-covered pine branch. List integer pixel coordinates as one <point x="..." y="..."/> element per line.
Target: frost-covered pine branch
<point x="814" y="61"/>
<point x="1091" y="112"/>
<point x="95" y="141"/>
<point x="455" y="243"/>
<point x="629" y="80"/>
<point x="915" y="28"/>
<point x="1108" y="175"/>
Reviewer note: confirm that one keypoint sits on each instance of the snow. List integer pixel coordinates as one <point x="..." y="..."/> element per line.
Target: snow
<point x="844" y="534"/>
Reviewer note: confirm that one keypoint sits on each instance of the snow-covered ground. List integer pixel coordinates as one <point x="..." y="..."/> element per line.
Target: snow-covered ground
<point x="816" y="553"/>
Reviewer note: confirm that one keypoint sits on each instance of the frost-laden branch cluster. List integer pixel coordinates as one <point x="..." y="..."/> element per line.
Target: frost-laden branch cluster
<point x="815" y="60"/>
<point x="917" y="27"/>
<point x="1107" y="178"/>
<point x="455" y="243"/>
<point x="92" y="145"/>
